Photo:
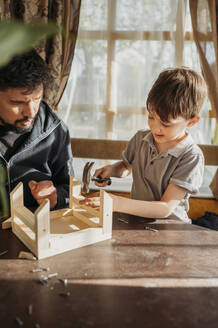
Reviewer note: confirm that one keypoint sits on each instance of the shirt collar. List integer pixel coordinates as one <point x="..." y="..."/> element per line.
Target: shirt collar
<point x="181" y="146"/>
<point x="175" y="151"/>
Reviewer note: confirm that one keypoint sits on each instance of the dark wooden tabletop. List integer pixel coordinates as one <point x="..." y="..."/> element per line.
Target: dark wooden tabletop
<point x="139" y="278"/>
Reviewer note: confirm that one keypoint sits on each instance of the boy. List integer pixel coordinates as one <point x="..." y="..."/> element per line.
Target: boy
<point x="166" y="164"/>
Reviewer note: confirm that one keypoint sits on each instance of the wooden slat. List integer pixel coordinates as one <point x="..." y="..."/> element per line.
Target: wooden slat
<point x="85" y="220"/>
<point x="42" y="228"/>
<point x="112" y="149"/>
<point x="139" y="35"/>
<point x="212" y="113"/>
<point x="26" y="216"/>
<point x="98" y="148"/>
<point x="198" y="207"/>
<point x="210" y="154"/>
<point x="24" y="237"/>
<point x="89" y="209"/>
<point x="106" y="211"/>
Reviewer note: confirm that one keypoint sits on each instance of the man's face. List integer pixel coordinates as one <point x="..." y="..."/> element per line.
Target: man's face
<point x="18" y="108"/>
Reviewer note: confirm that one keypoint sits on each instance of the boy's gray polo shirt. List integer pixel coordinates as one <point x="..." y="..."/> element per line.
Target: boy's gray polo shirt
<point x="182" y="165"/>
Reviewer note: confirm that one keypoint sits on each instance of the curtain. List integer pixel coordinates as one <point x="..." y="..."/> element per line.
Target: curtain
<point x="204" y="22"/>
<point x="57" y="51"/>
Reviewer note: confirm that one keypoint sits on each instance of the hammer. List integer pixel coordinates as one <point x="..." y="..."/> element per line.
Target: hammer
<point x="87" y="178"/>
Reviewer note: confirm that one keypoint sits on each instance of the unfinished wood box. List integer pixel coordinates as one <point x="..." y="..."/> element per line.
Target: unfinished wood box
<point x="47" y="233"/>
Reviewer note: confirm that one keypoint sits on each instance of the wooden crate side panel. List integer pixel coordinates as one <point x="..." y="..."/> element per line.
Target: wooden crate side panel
<point x="45" y="244"/>
<point x="89" y="209"/>
<point x="23" y="236"/>
<point x="42" y="215"/>
<point x="70" y="192"/>
<point x="74" y="190"/>
<point x="84" y="219"/>
<point x="76" y="240"/>
<point x="61" y="213"/>
<point x="106" y="210"/>
<point x="16" y="197"/>
<point x="7" y="223"/>
<point x="26" y="216"/>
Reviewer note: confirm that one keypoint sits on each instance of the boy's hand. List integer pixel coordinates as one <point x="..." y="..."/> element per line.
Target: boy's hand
<point x="104" y="172"/>
<point x="92" y="200"/>
<point x="42" y="190"/>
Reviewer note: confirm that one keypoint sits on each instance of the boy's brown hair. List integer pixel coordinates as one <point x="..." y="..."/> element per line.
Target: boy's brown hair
<point x="177" y="92"/>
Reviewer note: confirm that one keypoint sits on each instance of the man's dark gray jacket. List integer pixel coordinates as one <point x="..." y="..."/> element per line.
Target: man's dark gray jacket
<point x="45" y="155"/>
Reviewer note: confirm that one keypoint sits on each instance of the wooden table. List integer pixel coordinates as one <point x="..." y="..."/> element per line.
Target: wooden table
<point x="139" y="278"/>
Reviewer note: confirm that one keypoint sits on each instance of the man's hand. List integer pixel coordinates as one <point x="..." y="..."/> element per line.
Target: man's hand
<point x="42" y="190"/>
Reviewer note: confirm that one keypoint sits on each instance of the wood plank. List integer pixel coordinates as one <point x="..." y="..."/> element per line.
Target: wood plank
<point x="98" y="148"/>
<point x="61" y="213"/>
<point x="139" y="35"/>
<point x="17" y="193"/>
<point x="85" y="220"/>
<point x="24" y="237"/>
<point x="198" y="207"/>
<point x="80" y="239"/>
<point x="112" y="149"/>
<point x="210" y="154"/>
<point x="16" y="198"/>
<point x="26" y="216"/>
<point x="7" y="224"/>
<point x="75" y="190"/>
<point x="42" y="215"/>
<point x="71" y="192"/>
<point x="106" y="210"/>
<point x="91" y="210"/>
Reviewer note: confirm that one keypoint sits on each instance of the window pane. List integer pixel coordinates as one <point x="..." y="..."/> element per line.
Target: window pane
<point x="83" y="101"/>
<point x="135" y="69"/>
<point x="190" y="56"/>
<point x="93" y="15"/>
<point x="126" y="125"/>
<point x="84" y="124"/>
<point x="89" y="68"/>
<point x="133" y="15"/>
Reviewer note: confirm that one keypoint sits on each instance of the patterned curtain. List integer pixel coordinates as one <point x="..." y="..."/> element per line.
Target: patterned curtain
<point x="57" y="51"/>
<point x="204" y="23"/>
<point x="204" y="15"/>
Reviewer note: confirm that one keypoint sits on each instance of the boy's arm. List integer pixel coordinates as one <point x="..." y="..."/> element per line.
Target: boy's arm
<point x="155" y="209"/>
<point x="120" y="169"/>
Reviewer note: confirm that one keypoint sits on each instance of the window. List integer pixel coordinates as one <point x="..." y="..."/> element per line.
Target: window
<point x="121" y="48"/>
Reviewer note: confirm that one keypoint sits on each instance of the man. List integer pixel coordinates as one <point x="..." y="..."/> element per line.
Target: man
<point x="34" y="142"/>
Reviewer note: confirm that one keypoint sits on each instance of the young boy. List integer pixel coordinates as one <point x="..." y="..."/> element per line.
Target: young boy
<point x="166" y="164"/>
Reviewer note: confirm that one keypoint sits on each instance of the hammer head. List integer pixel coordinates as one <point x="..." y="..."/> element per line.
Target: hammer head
<point x="86" y="177"/>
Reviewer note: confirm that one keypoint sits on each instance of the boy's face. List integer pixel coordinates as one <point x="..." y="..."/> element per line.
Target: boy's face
<point x="18" y="108"/>
<point x="170" y="132"/>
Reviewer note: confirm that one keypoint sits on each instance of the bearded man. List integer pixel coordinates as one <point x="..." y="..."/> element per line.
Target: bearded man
<point x="34" y="142"/>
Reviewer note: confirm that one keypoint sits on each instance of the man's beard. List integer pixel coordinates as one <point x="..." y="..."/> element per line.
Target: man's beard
<point x="14" y="128"/>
